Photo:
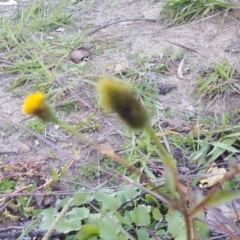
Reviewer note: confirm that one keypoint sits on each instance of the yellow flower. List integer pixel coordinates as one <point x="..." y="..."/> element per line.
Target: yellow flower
<point x="120" y="98"/>
<point x="36" y="105"/>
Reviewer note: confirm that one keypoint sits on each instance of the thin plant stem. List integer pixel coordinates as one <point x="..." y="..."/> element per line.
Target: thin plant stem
<point x="165" y="156"/>
<point x="57" y="219"/>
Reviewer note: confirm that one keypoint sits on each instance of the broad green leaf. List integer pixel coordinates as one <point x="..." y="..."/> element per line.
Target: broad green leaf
<point x="126" y="194"/>
<point x="108" y="202"/>
<point x="123" y="219"/>
<point x="176" y="225"/>
<point x="224" y="146"/>
<point x="82" y="198"/>
<point x="88" y="232"/>
<point x="64" y="201"/>
<point x="108" y="231"/>
<point x="46" y="223"/>
<point x="111" y="203"/>
<point x="156" y="214"/>
<point x="68" y="225"/>
<point x="222" y="197"/>
<point x="142" y="234"/>
<point x="79" y="213"/>
<point x="100" y="196"/>
<point x="49" y="212"/>
<point x="140" y="216"/>
<point x="94" y="218"/>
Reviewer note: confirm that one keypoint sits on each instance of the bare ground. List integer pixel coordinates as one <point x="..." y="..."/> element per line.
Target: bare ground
<point x="203" y="42"/>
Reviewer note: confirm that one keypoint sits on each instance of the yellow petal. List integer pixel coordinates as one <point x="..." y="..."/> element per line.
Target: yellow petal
<point x="34" y="103"/>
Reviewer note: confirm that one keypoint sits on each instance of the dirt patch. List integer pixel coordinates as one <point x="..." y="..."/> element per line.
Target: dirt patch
<point x="131" y="43"/>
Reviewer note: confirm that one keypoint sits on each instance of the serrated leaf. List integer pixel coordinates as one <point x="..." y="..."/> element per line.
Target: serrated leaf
<point x="111" y="203"/>
<point x="176" y="225"/>
<point x="140" y="216"/>
<point x="142" y="234"/>
<point x="124" y="219"/>
<point x="68" y="225"/>
<point x="222" y="197"/>
<point x="100" y="196"/>
<point x="88" y="232"/>
<point x="94" y="218"/>
<point x="79" y="213"/>
<point x="64" y="201"/>
<point x="46" y="223"/>
<point x="126" y="194"/>
<point x="81" y="198"/>
<point x="107" y="232"/>
<point x="49" y="212"/>
<point x="108" y="201"/>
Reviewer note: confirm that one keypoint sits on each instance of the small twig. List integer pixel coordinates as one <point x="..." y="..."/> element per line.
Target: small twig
<point x="184" y="47"/>
<point x="6" y="62"/>
<point x="4" y="206"/>
<point x="119" y="21"/>
<point x="35" y="233"/>
<point x="1" y="153"/>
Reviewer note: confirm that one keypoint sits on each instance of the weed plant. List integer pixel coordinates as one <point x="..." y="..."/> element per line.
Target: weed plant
<point x="177" y="12"/>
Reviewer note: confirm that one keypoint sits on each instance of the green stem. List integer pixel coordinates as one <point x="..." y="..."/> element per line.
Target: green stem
<point x="163" y="153"/>
<point x="74" y="132"/>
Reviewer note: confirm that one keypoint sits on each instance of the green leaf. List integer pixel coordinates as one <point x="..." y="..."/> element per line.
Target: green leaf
<point x="79" y="213"/>
<point x="64" y="201"/>
<point x="108" y="231"/>
<point x="222" y="197"/>
<point x="94" y="218"/>
<point x="216" y="152"/>
<point x="46" y="223"/>
<point x="142" y="234"/>
<point x="237" y="134"/>
<point x="111" y="203"/>
<point x="54" y="175"/>
<point x="169" y="180"/>
<point x="224" y="146"/>
<point x="81" y="198"/>
<point x="202" y="228"/>
<point x="88" y="232"/>
<point x="126" y="194"/>
<point x="108" y="202"/>
<point x="123" y="219"/>
<point x="100" y="196"/>
<point x="176" y="225"/>
<point x="156" y="214"/>
<point x="68" y="225"/>
<point x="49" y="212"/>
<point x="140" y="216"/>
